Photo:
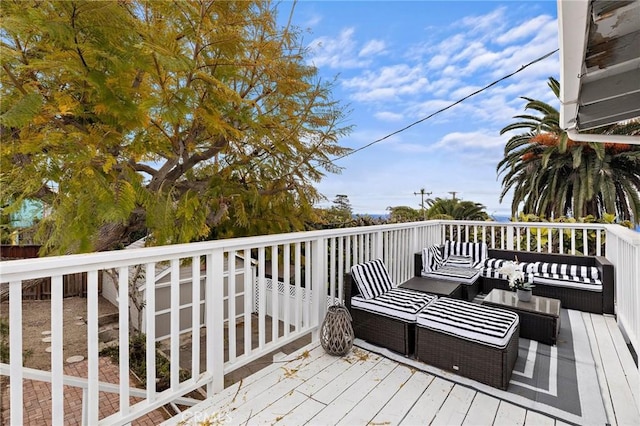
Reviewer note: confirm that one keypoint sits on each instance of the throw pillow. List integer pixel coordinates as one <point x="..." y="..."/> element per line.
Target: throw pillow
<point x="460" y="261"/>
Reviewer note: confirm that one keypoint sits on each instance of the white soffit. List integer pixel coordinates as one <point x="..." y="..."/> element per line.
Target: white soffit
<point x="599" y="65"/>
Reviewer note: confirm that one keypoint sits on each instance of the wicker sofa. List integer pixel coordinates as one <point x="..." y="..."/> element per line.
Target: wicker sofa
<point x="584" y="283"/>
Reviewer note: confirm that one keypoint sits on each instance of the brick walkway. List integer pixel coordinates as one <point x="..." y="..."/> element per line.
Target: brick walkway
<point x="37" y="398"/>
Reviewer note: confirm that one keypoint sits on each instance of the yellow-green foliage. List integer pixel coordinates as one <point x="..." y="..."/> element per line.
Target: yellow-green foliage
<point x="181" y="119"/>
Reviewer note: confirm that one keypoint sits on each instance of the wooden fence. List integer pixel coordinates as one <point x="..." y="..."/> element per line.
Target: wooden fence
<point x="73" y="284"/>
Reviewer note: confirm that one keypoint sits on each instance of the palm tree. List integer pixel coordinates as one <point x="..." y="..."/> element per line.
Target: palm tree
<point x="554" y="176"/>
<point x="455" y="209"/>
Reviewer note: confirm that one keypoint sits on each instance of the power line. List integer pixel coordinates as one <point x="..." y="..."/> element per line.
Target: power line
<point x="541" y="58"/>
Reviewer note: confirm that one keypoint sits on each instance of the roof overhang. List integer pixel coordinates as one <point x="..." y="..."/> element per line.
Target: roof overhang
<point x="599" y="66"/>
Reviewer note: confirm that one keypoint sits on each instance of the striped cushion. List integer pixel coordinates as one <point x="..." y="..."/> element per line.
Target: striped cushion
<point x="477" y="251"/>
<point x="494" y="273"/>
<point x="591" y="284"/>
<point x="471" y="321"/>
<point x="493" y="263"/>
<point x="456" y="271"/>
<point x="398" y="302"/>
<point x="456" y="260"/>
<point x="432" y="258"/>
<point x="590" y="272"/>
<point x="371" y="278"/>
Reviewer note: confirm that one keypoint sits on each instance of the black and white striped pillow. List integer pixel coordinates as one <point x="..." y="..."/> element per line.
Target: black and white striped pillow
<point x="371" y="278"/>
<point x="477" y="251"/>
<point x="432" y="258"/>
<point x="458" y="260"/>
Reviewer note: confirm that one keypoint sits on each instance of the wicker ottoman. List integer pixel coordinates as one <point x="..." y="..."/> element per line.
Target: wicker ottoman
<point x="474" y="341"/>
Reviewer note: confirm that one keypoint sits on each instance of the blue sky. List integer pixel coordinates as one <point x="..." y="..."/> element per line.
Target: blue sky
<point x="396" y="62"/>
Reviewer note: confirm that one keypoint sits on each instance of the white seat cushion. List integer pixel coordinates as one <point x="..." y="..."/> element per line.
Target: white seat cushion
<point x="471" y="321"/>
<point x="399" y="302"/>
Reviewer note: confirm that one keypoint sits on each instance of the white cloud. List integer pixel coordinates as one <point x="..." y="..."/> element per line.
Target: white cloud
<point x="388" y="116"/>
<point x="527" y="28"/>
<point x="388" y="83"/>
<point x="373" y="47"/>
<point x="491" y="20"/>
<point x="336" y="52"/>
<point x="438" y="61"/>
<point x="479" y="139"/>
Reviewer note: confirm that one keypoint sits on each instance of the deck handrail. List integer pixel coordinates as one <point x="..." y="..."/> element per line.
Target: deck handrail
<point x="317" y="261"/>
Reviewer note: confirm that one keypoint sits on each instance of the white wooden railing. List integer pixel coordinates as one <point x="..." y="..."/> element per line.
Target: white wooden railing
<point x="315" y="266"/>
<point x="623" y="250"/>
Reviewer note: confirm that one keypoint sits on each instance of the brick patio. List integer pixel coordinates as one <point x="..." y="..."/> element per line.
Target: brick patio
<point x="37" y="398"/>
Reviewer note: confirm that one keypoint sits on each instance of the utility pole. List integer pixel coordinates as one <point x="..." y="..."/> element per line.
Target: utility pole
<point x="454" y="194"/>
<point x="422" y="193"/>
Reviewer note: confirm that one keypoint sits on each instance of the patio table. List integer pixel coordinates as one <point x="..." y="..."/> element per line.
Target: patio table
<point x="539" y="318"/>
<point x="435" y="286"/>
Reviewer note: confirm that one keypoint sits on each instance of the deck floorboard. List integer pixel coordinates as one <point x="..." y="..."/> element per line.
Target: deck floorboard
<point x="312" y="387"/>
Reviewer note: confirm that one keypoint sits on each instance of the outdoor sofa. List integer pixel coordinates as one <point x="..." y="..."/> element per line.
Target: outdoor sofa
<point x="583" y="283"/>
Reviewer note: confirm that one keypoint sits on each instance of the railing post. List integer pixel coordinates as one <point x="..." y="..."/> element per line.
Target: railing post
<point x="215" y="312"/>
<point x="318" y="284"/>
<point x="510" y="245"/>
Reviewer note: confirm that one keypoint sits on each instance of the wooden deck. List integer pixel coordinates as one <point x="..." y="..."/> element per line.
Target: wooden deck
<point x="362" y="388"/>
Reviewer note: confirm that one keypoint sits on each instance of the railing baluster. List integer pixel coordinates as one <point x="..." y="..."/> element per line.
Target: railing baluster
<point x="298" y="284"/>
<point x="123" y="323"/>
<point x="560" y="241"/>
<point x="332" y="268"/>
<point x="539" y="240"/>
<point x="573" y="242"/>
<point x="307" y="283"/>
<point x="195" y="315"/>
<point x="217" y="306"/>
<point x="57" y="361"/>
<point x="150" y="328"/>
<point x="585" y="242"/>
<point x="92" y="348"/>
<point x="275" y="294"/>
<point x="262" y="298"/>
<point x="248" y="301"/>
<point x="15" y="351"/>
<point x="211" y="339"/>
<point x="175" y="323"/>
<point x="286" y="254"/>
<point x="341" y="269"/>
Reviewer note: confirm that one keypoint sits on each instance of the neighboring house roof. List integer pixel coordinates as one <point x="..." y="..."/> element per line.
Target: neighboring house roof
<point x="600" y="64"/>
<point x="30" y="212"/>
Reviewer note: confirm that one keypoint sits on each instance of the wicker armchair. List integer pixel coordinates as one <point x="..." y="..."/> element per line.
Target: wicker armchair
<point x="382" y="314"/>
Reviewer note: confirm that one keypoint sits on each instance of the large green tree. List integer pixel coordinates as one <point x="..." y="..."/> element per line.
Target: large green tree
<point x="181" y="119"/>
<point x="554" y="176"/>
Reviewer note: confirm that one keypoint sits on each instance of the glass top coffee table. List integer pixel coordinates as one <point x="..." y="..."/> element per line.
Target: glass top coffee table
<point x="539" y="318"/>
<point x="434" y="286"/>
